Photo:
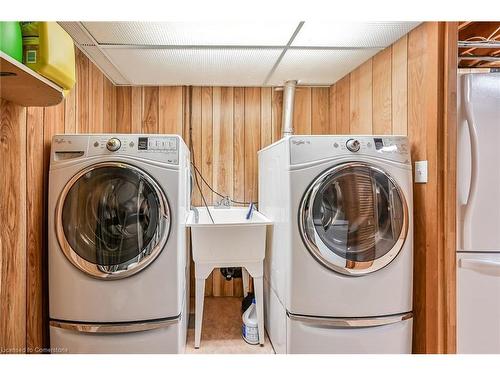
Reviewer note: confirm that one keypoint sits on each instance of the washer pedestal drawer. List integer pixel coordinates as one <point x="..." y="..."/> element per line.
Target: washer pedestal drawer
<point x="169" y="339"/>
<point x="318" y="337"/>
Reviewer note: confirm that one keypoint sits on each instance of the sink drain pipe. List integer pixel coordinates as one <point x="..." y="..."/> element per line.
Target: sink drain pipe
<point x="288" y="103"/>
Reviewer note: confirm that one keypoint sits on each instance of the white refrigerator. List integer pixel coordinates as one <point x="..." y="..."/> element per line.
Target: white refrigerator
<point x="478" y="214"/>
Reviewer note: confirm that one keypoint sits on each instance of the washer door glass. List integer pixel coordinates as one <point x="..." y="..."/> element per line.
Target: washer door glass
<point x="354" y="218"/>
<point x="114" y="220"/>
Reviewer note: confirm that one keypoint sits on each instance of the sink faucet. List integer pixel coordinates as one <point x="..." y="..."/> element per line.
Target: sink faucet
<point x="225" y="202"/>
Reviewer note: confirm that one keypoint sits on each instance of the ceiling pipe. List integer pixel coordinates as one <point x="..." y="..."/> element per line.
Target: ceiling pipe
<point x="477" y="57"/>
<point x="488" y="44"/>
<point x="288" y="103"/>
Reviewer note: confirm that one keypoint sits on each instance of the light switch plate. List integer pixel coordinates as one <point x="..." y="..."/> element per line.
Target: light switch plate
<point x="421" y="172"/>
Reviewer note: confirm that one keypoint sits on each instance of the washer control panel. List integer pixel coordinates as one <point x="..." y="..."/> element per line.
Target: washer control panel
<point x="161" y="148"/>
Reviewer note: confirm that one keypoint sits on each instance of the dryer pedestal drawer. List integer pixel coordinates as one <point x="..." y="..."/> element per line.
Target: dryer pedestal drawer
<point x="315" y="337"/>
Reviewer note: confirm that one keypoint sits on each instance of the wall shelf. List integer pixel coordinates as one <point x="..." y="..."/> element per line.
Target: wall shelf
<point x="21" y="85"/>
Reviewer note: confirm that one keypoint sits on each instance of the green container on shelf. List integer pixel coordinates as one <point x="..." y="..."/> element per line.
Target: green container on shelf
<point x="11" y="39"/>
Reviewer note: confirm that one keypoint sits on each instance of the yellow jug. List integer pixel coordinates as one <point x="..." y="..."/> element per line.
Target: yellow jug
<point x="49" y="50"/>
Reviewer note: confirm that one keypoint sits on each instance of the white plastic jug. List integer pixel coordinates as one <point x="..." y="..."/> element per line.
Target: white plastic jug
<point x="249" y="329"/>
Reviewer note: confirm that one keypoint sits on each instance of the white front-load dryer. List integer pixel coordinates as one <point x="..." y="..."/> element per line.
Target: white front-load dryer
<point x="339" y="264"/>
<point x="118" y="261"/>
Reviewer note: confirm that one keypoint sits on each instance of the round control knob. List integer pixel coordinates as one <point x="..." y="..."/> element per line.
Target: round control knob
<point x="353" y="145"/>
<point x="113" y="144"/>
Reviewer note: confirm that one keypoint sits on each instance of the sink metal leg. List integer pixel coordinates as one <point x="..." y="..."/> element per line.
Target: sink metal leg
<point x="199" y="296"/>
<point x="246" y="281"/>
<point x="259" y="302"/>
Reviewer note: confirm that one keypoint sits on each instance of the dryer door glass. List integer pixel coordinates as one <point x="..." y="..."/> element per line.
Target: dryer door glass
<point x="354" y="218"/>
<point x="114" y="219"/>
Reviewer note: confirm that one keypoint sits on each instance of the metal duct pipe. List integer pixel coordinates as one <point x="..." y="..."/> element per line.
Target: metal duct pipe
<point x="288" y="102"/>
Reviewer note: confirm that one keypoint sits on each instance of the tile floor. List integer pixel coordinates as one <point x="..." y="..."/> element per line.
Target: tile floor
<point x="221" y="332"/>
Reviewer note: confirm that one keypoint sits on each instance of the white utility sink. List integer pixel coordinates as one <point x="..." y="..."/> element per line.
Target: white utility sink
<point x="231" y="237"/>
<point x="229" y="241"/>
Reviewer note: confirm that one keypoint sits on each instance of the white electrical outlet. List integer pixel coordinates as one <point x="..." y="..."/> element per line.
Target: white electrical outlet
<point x="421" y="172"/>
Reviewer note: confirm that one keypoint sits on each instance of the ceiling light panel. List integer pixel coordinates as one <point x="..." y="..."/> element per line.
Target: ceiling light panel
<point x="351" y="34"/>
<point x="194" y="66"/>
<point x="318" y="66"/>
<point x="192" y="33"/>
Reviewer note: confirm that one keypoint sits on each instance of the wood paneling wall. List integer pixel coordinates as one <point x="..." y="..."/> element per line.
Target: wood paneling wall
<point x="12" y="227"/>
<point x="398" y="91"/>
<point x="448" y="191"/>
<point x="373" y="99"/>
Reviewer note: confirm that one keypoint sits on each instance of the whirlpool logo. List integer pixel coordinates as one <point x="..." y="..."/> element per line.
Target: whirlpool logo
<point x="299" y="142"/>
<point x="61" y="141"/>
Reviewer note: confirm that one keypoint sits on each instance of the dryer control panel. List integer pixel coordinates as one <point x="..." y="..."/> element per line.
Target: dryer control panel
<point x="304" y="149"/>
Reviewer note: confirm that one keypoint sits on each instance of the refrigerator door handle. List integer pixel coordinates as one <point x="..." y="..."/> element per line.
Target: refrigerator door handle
<point x="114" y="327"/>
<point x="483" y="266"/>
<point x="469" y="117"/>
<point x="351" y="322"/>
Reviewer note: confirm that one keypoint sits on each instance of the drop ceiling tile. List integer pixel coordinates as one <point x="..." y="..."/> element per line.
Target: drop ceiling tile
<point x="351" y="34"/>
<point x="194" y="66"/>
<point x="193" y="33"/>
<point x="318" y="66"/>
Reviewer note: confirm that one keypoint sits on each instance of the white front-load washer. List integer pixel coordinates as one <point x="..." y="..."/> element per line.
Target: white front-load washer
<point x="118" y="261"/>
<point x="339" y="263"/>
